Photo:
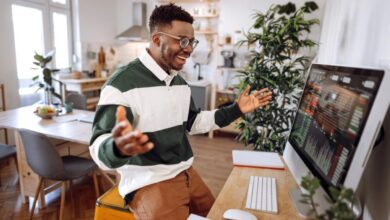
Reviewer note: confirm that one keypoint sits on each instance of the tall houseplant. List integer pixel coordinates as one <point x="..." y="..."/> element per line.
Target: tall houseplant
<point x="280" y="32"/>
<point x="46" y="80"/>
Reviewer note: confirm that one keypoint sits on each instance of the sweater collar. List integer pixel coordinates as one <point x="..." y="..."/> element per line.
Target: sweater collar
<point x="152" y="65"/>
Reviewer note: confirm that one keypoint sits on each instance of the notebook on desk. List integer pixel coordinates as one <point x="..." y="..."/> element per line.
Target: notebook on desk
<point x="257" y="159"/>
<point x="86" y="118"/>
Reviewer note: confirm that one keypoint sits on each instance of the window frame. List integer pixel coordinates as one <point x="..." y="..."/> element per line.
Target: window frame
<point x="48" y="8"/>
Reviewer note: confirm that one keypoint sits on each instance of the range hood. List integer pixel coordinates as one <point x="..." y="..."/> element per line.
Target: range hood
<point x="138" y="32"/>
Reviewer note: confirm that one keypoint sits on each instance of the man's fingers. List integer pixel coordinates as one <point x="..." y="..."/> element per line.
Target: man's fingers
<point x="132" y="149"/>
<point x="118" y="129"/>
<point x="120" y="113"/>
<point x="264" y="97"/>
<point x="121" y="116"/>
<point x="245" y="92"/>
<point x="263" y="93"/>
<point x="128" y="137"/>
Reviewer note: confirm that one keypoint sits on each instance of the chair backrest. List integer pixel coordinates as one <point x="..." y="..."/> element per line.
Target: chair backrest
<point x="2" y="92"/>
<point x="3" y="108"/>
<point x="79" y="100"/>
<point x="42" y="155"/>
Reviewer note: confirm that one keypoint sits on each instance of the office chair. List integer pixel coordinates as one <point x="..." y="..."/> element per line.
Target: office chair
<point x="44" y="160"/>
<point x="79" y="100"/>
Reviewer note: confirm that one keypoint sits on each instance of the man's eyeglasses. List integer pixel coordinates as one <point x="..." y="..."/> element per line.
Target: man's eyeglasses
<point x="183" y="41"/>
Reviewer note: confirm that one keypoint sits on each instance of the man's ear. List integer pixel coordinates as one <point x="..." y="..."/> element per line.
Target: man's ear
<point x="156" y="39"/>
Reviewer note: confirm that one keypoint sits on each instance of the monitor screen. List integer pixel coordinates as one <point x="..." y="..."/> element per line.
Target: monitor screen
<point x="331" y="116"/>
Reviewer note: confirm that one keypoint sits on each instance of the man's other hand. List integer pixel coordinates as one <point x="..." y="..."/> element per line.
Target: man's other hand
<point x="257" y="99"/>
<point x="129" y="142"/>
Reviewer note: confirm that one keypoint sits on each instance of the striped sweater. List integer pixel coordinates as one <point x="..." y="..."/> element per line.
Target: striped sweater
<point x="161" y="106"/>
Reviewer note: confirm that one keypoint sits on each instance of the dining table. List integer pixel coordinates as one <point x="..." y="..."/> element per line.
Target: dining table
<point x="70" y="132"/>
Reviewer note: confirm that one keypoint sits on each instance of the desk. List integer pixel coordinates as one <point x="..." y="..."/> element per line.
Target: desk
<point x="79" y="133"/>
<point x="233" y="194"/>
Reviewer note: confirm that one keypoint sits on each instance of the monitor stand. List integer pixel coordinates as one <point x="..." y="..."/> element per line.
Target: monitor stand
<point x="304" y="210"/>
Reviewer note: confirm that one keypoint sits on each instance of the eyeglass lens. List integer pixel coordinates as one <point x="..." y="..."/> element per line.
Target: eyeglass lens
<point x="184" y="42"/>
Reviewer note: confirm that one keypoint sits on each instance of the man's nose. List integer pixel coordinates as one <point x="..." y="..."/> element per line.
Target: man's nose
<point x="188" y="49"/>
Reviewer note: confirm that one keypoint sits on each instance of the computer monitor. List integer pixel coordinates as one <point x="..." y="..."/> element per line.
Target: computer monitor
<point x="338" y="118"/>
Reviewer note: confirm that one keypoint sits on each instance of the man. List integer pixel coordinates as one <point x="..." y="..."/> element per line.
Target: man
<point x="154" y="160"/>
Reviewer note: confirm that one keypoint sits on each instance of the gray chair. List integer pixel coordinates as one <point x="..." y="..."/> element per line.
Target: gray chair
<point x="44" y="160"/>
<point x="79" y="100"/>
<point x="7" y="152"/>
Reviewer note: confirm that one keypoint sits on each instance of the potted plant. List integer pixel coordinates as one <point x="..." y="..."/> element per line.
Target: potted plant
<point x="280" y="33"/>
<point x="342" y="201"/>
<point x="46" y="80"/>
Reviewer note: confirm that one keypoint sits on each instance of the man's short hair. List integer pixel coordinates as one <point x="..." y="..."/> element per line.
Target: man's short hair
<point x="164" y="14"/>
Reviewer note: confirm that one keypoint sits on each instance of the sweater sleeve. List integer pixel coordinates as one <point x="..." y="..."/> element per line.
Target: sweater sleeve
<point x="204" y="121"/>
<point x="102" y="146"/>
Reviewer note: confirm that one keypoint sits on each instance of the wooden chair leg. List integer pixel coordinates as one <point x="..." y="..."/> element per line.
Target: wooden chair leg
<point x="72" y="200"/>
<point x="16" y="164"/>
<point x="37" y="191"/>
<point x="17" y="170"/>
<point x="105" y="175"/>
<point x="63" y="192"/>
<point x="95" y="182"/>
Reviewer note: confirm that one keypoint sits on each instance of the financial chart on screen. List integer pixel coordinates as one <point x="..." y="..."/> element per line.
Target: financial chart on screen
<point x="332" y="113"/>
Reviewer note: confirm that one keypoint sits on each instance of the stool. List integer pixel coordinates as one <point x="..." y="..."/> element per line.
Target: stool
<point x="111" y="206"/>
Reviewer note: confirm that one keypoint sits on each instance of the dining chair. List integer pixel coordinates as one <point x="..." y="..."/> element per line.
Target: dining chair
<point x="6" y="151"/>
<point x="79" y="100"/>
<point x="44" y="160"/>
<point x="3" y="108"/>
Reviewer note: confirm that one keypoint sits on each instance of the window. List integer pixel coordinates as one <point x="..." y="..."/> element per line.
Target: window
<point x="40" y="26"/>
<point x="29" y="37"/>
<point x="63" y="2"/>
<point x="61" y="39"/>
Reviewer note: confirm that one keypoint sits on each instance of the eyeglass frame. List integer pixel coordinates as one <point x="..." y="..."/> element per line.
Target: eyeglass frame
<point x="193" y="42"/>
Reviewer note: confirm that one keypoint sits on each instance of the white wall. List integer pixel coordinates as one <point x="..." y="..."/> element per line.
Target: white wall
<point x="98" y="22"/>
<point x="357" y="32"/>
<point x="8" y="74"/>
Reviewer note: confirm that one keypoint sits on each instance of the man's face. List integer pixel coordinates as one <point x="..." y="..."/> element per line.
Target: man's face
<point x="171" y="55"/>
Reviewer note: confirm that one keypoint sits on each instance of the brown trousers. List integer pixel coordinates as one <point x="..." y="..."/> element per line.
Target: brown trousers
<point x="173" y="199"/>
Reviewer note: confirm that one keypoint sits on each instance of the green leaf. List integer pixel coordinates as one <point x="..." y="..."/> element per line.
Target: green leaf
<point x="35" y="77"/>
<point x="38" y="57"/>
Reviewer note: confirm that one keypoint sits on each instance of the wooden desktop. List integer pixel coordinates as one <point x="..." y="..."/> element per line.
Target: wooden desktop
<point x="233" y="194"/>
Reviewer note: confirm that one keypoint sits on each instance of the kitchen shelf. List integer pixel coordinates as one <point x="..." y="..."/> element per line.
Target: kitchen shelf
<point x="226" y="91"/>
<point x="205" y="16"/>
<point x="229" y="68"/>
<point x="90" y="87"/>
<point x="207" y="32"/>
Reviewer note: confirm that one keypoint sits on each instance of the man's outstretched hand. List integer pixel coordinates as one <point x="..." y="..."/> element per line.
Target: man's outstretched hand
<point x="127" y="141"/>
<point x="257" y="99"/>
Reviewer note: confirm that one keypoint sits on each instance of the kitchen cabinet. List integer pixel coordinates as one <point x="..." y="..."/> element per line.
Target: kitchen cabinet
<point x="90" y="87"/>
<point x="222" y="95"/>
<point x="200" y="92"/>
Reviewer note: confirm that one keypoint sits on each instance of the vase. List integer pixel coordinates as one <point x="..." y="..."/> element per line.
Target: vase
<point x="47" y="96"/>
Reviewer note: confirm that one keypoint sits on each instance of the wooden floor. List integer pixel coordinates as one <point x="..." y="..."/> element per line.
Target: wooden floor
<point x="213" y="161"/>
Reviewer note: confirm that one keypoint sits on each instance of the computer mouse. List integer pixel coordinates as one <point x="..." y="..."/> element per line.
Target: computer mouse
<point x="237" y="214"/>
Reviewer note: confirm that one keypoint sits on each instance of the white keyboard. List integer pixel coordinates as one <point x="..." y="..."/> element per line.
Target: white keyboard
<point x="261" y="194"/>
